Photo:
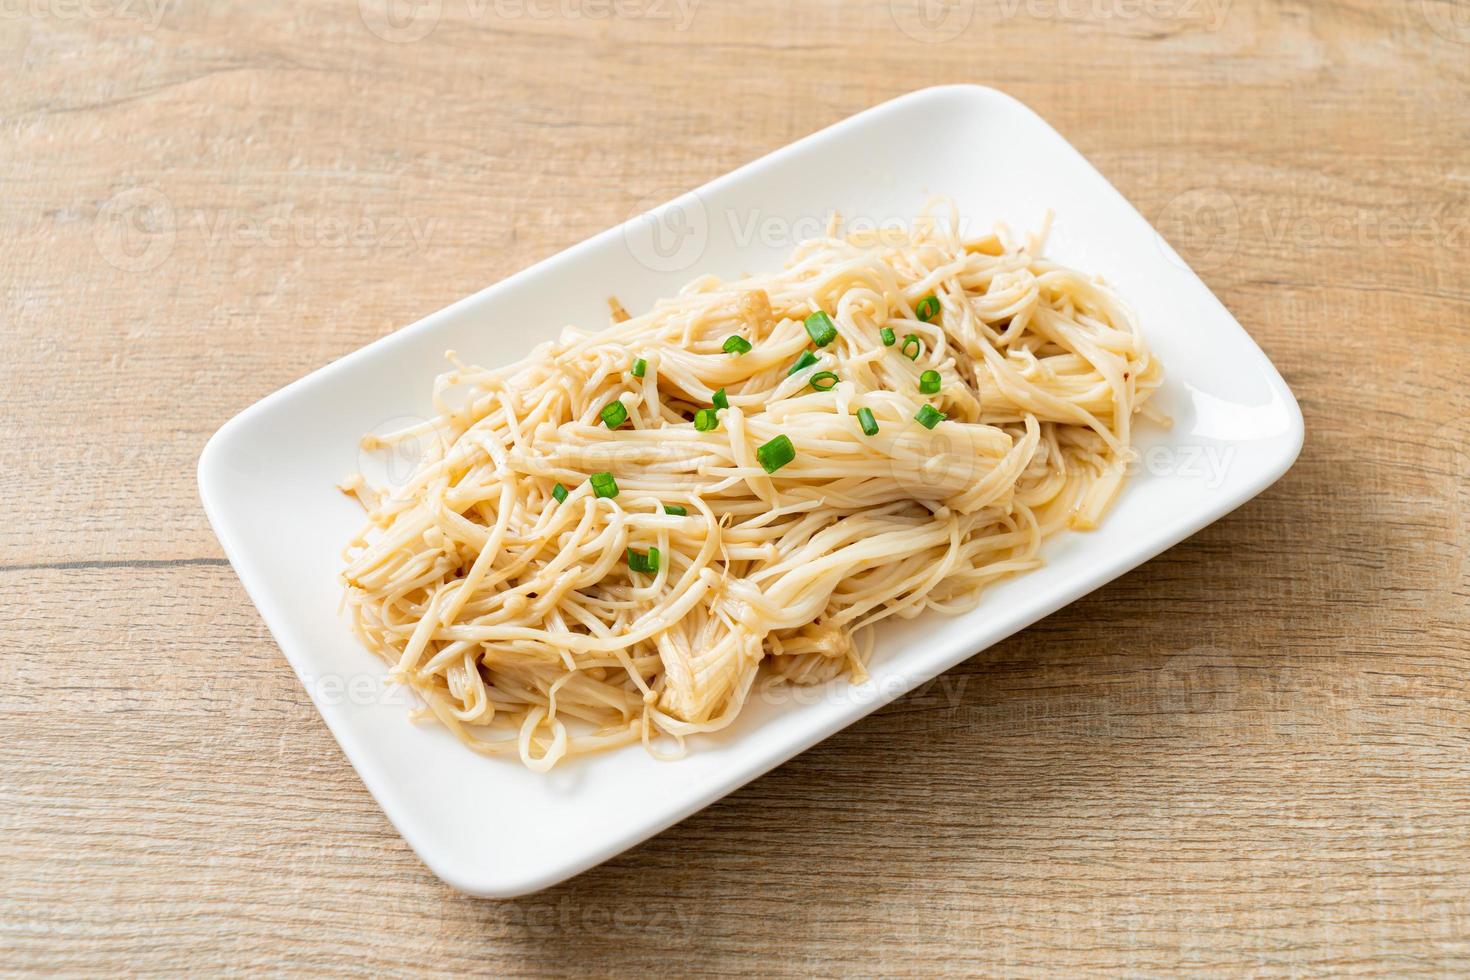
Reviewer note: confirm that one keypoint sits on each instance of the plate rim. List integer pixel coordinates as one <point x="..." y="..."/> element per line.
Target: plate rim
<point x="215" y="452"/>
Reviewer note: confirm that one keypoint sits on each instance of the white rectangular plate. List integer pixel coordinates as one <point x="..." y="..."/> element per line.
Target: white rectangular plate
<point x="490" y="827"/>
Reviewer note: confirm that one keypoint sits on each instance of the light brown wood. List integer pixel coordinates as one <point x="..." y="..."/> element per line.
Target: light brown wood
<point x="1248" y="757"/>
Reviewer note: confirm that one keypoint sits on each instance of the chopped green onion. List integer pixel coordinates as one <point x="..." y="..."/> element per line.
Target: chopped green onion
<point x="560" y="493"/>
<point x="866" y="420"/>
<point x="912" y="340"/>
<point x="614" y="414"/>
<point x="928" y="308"/>
<point x="640" y="368"/>
<point x="823" y="381"/>
<point x="929" y="416"/>
<point x="676" y="510"/>
<point x="929" y="382"/>
<point x="736" y="344"/>
<point x="775" y="454"/>
<point x="820" y="328"/>
<point x="705" y="420"/>
<point x="889" y="337"/>
<point x="603" y="484"/>
<point x="720" y="400"/>
<point x="639" y="562"/>
<point x="806" y="360"/>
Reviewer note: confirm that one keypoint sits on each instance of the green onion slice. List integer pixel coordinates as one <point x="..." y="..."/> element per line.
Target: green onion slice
<point x="866" y="420"/>
<point x="928" y="308"/>
<point x="912" y="340"/>
<point x="614" y="414"/>
<point x="823" y="381"/>
<point x="929" y="382"/>
<point x="820" y="328"/>
<point x="560" y="493"/>
<point x="640" y="368"/>
<point x="721" y="400"/>
<point x="603" y="484"/>
<point x="676" y="510"/>
<point x="705" y="420"/>
<point x="929" y="416"/>
<point x="736" y="344"/>
<point x="639" y="562"/>
<point x="889" y="337"/>
<point x="806" y="360"/>
<point x="775" y="454"/>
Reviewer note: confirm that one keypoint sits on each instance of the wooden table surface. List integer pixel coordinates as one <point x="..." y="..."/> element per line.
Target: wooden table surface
<point x="1249" y="756"/>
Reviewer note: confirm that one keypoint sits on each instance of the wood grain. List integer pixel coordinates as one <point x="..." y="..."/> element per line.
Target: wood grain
<point x="1251" y="756"/>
